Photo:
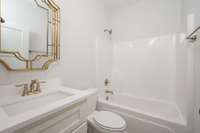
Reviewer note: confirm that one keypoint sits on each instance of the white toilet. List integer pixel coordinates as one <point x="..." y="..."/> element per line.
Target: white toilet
<point x="106" y="122"/>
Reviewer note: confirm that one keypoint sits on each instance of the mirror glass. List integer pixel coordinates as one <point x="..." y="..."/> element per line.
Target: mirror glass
<point x="25" y="28"/>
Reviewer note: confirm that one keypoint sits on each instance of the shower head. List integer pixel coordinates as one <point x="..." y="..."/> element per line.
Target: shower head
<point x="109" y="31"/>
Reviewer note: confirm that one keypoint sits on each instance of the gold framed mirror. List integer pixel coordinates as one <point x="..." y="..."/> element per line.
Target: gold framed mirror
<point x="30" y="34"/>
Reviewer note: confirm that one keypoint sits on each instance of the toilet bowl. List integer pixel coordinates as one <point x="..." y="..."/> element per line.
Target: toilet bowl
<point x="106" y="122"/>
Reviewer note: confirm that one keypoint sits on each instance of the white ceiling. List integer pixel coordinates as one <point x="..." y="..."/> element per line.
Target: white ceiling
<point x="118" y="3"/>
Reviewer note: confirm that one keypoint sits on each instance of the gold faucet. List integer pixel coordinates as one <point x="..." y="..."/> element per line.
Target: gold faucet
<point x="34" y="88"/>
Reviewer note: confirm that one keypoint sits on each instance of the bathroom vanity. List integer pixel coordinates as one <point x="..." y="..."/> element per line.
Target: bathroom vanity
<point x="60" y="110"/>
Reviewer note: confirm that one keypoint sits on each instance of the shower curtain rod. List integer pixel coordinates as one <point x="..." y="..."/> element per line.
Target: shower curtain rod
<point x="192" y="36"/>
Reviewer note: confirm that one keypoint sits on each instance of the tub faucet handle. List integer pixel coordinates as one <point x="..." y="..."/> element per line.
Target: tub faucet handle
<point x="107" y="82"/>
<point x="109" y="92"/>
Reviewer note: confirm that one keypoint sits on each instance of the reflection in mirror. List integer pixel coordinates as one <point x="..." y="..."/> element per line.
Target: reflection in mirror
<point x="26" y="27"/>
<point x="41" y="63"/>
<point x="13" y="63"/>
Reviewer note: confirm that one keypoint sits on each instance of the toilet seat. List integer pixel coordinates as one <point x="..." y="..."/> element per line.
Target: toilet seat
<point x="109" y="121"/>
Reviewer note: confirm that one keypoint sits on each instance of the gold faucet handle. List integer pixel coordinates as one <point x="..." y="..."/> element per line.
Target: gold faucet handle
<point x="25" y="89"/>
<point x="42" y="82"/>
<point x="22" y="85"/>
<point x="109" y="92"/>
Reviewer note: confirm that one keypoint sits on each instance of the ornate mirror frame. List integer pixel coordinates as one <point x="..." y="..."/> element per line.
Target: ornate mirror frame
<point x="55" y="40"/>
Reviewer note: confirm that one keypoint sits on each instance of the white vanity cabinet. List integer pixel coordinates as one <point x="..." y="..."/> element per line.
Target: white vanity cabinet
<point x="69" y="120"/>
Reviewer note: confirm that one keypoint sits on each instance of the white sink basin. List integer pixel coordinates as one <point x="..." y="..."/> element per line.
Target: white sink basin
<point x="23" y="106"/>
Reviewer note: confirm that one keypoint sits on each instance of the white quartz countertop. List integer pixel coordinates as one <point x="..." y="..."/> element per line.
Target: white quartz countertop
<point x="9" y="124"/>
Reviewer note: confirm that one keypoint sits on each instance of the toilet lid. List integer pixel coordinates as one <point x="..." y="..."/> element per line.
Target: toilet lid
<point x="109" y="120"/>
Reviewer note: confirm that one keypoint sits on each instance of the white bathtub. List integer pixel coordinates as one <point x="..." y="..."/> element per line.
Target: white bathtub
<point x="145" y="115"/>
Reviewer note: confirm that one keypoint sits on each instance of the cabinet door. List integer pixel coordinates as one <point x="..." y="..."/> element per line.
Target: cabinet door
<point x="64" y="121"/>
<point x="81" y="129"/>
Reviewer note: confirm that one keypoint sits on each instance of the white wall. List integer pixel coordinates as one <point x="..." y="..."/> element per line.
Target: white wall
<point x="146" y="18"/>
<point x="196" y="86"/>
<point x="192" y="8"/>
<point x="191" y="95"/>
<point x="144" y="39"/>
<point x="82" y="29"/>
<point x="82" y="22"/>
<point x="146" y="67"/>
